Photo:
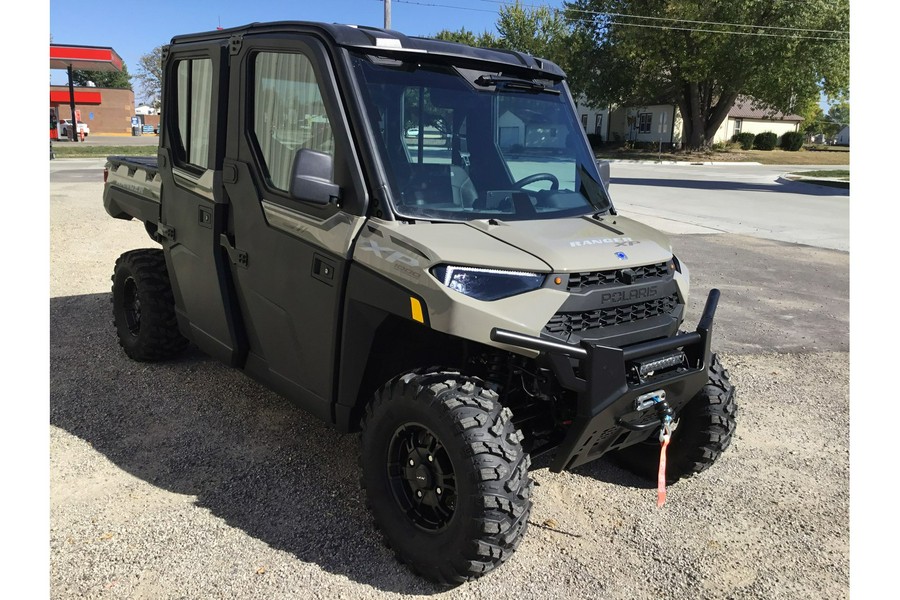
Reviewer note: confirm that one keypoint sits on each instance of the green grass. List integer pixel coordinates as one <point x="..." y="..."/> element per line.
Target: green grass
<point x="833" y="174"/>
<point x="86" y="151"/>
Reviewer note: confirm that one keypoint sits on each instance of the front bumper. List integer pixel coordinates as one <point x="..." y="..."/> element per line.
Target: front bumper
<point x="607" y="416"/>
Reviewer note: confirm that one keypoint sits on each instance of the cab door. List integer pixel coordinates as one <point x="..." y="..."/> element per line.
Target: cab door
<point x="290" y="257"/>
<point x="194" y="209"/>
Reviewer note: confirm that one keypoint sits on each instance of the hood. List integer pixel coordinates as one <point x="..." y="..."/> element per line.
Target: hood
<point x="583" y="243"/>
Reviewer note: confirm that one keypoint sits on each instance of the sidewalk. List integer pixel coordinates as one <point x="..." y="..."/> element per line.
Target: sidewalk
<point x="148" y="139"/>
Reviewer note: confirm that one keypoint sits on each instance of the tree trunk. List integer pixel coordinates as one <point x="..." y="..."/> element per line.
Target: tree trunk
<point x="697" y="140"/>
<point x="719" y="113"/>
<point x="700" y="118"/>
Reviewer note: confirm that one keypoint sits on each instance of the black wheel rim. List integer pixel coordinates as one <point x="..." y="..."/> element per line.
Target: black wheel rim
<point x="132" y="306"/>
<point x="421" y="477"/>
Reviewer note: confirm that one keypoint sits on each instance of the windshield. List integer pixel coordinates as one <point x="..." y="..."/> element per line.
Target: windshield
<point x="461" y="145"/>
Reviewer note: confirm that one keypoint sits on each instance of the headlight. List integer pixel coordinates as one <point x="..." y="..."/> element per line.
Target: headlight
<point x="487" y="284"/>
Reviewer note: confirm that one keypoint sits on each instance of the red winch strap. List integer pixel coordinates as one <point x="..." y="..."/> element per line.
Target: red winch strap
<point x="661" y="477"/>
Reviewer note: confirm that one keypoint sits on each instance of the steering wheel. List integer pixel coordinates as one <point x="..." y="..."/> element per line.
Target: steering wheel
<point x="554" y="182"/>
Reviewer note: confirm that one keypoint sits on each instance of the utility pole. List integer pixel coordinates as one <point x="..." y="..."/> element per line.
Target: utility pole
<point x="73" y="128"/>
<point x="387" y="14"/>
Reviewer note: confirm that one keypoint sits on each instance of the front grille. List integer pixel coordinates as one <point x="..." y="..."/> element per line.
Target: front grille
<point x="569" y="322"/>
<point x="581" y="282"/>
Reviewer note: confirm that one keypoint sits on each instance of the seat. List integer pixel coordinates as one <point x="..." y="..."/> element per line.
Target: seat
<point x="439" y="186"/>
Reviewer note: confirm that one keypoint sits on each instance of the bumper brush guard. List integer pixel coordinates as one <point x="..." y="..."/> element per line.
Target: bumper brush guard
<point x="610" y="410"/>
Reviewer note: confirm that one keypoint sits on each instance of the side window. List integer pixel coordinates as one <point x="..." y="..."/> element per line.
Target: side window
<point x="193" y="104"/>
<point x="645" y="121"/>
<point x="288" y="113"/>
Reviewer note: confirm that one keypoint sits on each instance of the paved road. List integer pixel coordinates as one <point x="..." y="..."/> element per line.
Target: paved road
<point x="752" y="200"/>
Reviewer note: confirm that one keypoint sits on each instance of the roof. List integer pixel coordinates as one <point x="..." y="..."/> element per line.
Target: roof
<point x="84" y="58"/>
<point x="387" y="42"/>
<point x="743" y="109"/>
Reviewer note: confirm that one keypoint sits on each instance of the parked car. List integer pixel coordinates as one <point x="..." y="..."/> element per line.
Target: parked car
<point x="82" y="128"/>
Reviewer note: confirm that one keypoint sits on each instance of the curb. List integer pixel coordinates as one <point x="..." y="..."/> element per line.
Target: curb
<point x="828" y="182"/>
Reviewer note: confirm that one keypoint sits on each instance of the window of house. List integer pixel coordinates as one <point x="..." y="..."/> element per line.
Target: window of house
<point x="288" y="113"/>
<point x="598" y="123"/>
<point x="584" y="121"/>
<point x="644" y="122"/>
<point x="738" y="123"/>
<point x="193" y="106"/>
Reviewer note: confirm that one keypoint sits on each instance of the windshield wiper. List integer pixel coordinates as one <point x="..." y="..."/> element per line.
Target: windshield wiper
<point x="512" y="83"/>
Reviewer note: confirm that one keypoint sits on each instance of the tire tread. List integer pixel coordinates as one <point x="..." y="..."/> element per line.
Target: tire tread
<point x="498" y="465"/>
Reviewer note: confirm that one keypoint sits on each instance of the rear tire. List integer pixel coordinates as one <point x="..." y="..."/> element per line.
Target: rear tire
<point x="445" y="475"/>
<point x="706" y="426"/>
<point x="144" y="307"/>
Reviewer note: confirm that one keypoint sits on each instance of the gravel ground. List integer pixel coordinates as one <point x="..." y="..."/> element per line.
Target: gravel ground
<point x="189" y="480"/>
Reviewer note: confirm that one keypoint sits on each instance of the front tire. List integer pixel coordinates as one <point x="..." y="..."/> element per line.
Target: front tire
<point x="445" y="475"/>
<point x="144" y="307"/>
<point x="706" y="426"/>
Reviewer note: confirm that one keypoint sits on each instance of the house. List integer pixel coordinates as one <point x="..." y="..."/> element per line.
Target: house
<point x="594" y="120"/>
<point x="745" y="118"/>
<point x="652" y="124"/>
<point x="843" y="136"/>
<point x="662" y="123"/>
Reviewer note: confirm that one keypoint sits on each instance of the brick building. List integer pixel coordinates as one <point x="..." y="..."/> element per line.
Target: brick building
<point x="104" y="110"/>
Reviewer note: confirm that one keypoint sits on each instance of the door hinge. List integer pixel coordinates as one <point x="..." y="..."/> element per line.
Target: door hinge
<point x="237" y="257"/>
<point x="166" y="231"/>
<point x="235" y="42"/>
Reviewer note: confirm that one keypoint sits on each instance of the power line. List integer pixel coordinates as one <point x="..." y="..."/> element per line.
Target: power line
<point x="670" y="19"/>
<point x="646" y="26"/>
<point x="488" y="10"/>
<point x="752" y="33"/>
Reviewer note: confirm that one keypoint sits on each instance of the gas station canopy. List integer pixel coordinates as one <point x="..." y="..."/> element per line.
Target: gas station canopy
<point x="78" y="58"/>
<point x="84" y="58"/>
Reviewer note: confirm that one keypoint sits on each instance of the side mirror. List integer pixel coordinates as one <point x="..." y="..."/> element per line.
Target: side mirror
<point x="603" y="167"/>
<point x="311" y="177"/>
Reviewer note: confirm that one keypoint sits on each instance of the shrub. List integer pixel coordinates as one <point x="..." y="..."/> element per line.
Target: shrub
<point x="792" y="141"/>
<point x="765" y="141"/>
<point x="594" y="139"/>
<point x="745" y="140"/>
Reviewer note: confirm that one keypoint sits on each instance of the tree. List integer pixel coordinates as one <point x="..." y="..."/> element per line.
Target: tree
<point x="484" y="40"/>
<point x="813" y="117"/>
<point x="150" y="76"/>
<point x="702" y="55"/>
<point x="104" y="79"/>
<point x="541" y="31"/>
<point x="838" y="116"/>
<point x="840" y="113"/>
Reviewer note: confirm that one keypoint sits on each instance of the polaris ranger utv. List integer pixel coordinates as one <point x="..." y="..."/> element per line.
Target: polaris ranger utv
<point x="342" y="208"/>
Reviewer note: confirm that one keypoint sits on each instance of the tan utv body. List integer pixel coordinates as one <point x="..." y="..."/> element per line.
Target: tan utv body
<point x="411" y="239"/>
